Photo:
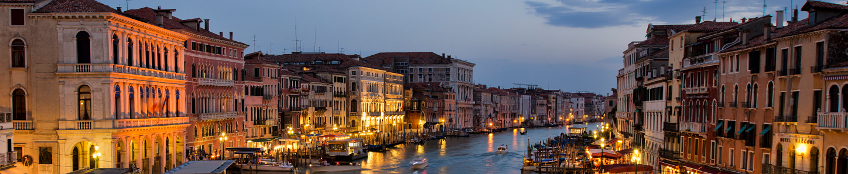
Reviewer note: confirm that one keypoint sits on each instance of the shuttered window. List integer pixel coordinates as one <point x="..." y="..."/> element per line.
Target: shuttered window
<point x="17" y="16"/>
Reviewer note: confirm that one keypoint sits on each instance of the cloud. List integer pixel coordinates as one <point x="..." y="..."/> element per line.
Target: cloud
<point x="611" y="13"/>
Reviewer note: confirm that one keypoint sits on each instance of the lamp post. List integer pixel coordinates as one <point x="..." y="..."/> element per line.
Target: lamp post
<point x="635" y="158"/>
<point x="602" y="154"/>
<point x="223" y="139"/>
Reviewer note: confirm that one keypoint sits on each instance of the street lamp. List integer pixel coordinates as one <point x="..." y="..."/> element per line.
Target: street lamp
<point x="635" y="159"/>
<point x="602" y="154"/>
<point x="223" y="139"/>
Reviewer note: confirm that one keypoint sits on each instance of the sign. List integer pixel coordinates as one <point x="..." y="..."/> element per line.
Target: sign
<point x="798" y="140"/>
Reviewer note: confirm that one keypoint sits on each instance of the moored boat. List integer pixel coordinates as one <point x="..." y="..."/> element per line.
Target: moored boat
<point x="347" y="149"/>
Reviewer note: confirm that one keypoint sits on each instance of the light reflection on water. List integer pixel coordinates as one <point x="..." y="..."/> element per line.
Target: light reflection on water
<point x="464" y="155"/>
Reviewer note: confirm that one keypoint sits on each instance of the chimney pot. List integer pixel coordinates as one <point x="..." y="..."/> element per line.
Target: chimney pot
<point x="795" y="15"/>
<point x="221" y="34"/>
<point x="778" y="22"/>
<point x="767" y="32"/>
<point x="206" y="21"/>
<point x="231" y="35"/>
<point x="119" y="9"/>
<point x="159" y="19"/>
<point x="697" y="19"/>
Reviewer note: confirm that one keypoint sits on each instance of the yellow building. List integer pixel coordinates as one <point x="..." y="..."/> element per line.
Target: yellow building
<point x="89" y="96"/>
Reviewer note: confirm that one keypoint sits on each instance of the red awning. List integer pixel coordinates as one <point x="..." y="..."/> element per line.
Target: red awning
<point x="606" y="155"/>
<point x="612" y="141"/>
<point x="624" y="168"/>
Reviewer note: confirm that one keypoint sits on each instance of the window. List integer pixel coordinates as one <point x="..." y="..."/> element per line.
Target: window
<point x="256" y="72"/>
<point x="720" y="154"/>
<point x="731" y="157"/>
<point x="770" y="94"/>
<point x="737" y="63"/>
<point x="130" y="52"/>
<point x="131" y="103"/>
<point x="83" y="50"/>
<point x="798" y="57"/>
<point x="117" y="102"/>
<point x="751" y="161"/>
<point x="744" y="160"/>
<point x="18" y="16"/>
<point x="115" y="48"/>
<point x="19" y="104"/>
<point x="84" y="98"/>
<point x="18" y="53"/>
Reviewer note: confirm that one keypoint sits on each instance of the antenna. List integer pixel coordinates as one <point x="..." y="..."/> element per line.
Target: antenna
<point x="296" y="46"/>
<point x="314" y="42"/>
<point x="254" y="42"/>
<point x="715" y="10"/>
<point x="764" y="7"/>
<point x="722" y="10"/>
<point x="128" y="4"/>
<point x="704" y="15"/>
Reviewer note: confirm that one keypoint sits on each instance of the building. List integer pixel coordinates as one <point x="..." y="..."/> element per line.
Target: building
<point x="431" y="67"/>
<point x="261" y="97"/>
<point x="101" y="103"/>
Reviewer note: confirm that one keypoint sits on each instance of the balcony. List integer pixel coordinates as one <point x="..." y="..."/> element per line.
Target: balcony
<point x="699" y="60"/>
<point x="266" y="122"/>
<point x="781" y="72"/>
<point x="772" y="169"/>
<point x="670" y="127"/>
<point x="374" y="114"/>
<point x="23" y="125"/>
<point x="214" y="82"/>
<point x="816" y="69"/>
<point x="669" y="154"/>
<point x="748" y="105"/>
<point x="732" y="104"/>
<point x="150" y="122"/>
<point x="217" y="116"/>
<point x="694" y="127"/>
<point x="832" y="120"/>
<point x="794" y="71"/>
<point x="786" y="118"/>
<point x="696" y="90"/>
<point x="720" y="104"/>
<point x="812" y="119"/>
<point x="395" y="113"/>
<point x="113" y="68"/>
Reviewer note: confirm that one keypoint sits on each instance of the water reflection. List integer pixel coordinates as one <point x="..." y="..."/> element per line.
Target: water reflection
<point x="463" y="155"/>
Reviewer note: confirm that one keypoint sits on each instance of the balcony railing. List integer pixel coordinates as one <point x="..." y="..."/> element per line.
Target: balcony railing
<point x="720" y="104"/>
<point x="150" y="122"/>
<point x="749" y="105"/>
<point x="772" y="169"/>
<point x="218" y="116"/>
<point x="812" y="119"/>
<point x="832" y="120"/>
<point x="670" y="127"/>
<point x="23" y="125"/>
<point x="214" y="82"/>
<point x="816" y="69"/>
<point x="786" y="118"/>
<point x="794" y="71"/>
<point x="694" y="127"/>
<point x="77" y="68"/>
<point x="732" y="104"/>
<point x="699" y="60"/>
<point x="782" y="72"/>
<point x="395" y="112"/>
<point x="669" y="154"/>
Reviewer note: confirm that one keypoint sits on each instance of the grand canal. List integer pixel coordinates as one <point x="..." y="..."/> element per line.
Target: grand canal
<point x="463" y="155"/>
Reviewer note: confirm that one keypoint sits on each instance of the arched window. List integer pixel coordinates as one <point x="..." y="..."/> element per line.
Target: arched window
<point x="770" y="94"/>
<point x="193" y="70"/>
<point x="83" y="47"/>
<point x="19" y="104"/>
<point x="748" y="94"/>
<point x="131" y="103"/>
<point x="353" y="106"/>
<point x="157" y="60"/>
<point x="165" y="56"/>
<point x="18" y="53"/>
<point x="84" y="98"/>
<point x="814" y="160"/>
<point x="755" y="95"/>
<point x="842" y="161"/>
<point x="834" y="98"/>
<point x="722" y="95"/>
<point x="130" y="52"/>
<point x="735" y="93"/>
<point x="115" y="42"/>
<point x="779" y="160"/>
<point x="176" y="61"/>
<point x="167" y="103"/>
<point x="146" y="55"/>
<point x="117" y="102"/>
<point x="177" y="97"/>
<point x="845" y="98"/>
<point x="830" y="162"/>
<point x="791" y="152"/>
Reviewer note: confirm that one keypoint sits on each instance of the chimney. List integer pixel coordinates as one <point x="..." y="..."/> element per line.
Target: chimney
<point x="119" y="9"/>
<point x="767" y="32"/>
<point x="221" y="34"/>
<point x="778" y="22"/>
<point x="744" y="37"/>
<point x="231" y="35"/>
<point x="443" y="55"/>
<point x="697" y="19"/>
<point x="159" y="19"/>
<point x="744" y="20"/>
<point x="207" y="24"/>
<point x="795" y="15"/>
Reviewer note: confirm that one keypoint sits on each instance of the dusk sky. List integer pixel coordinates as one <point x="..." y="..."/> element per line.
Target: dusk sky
<point x="573" y="45"/>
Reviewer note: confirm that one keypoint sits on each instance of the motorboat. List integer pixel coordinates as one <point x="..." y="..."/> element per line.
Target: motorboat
<point x="347" y="149"/>
<point x="270" y="166"/>
<point x="522" y="131"/>
<point x="335" y="168"/>
<point x="419" y="163"/>
<point x="501" y="149"/>
<point x="463" y="134"/>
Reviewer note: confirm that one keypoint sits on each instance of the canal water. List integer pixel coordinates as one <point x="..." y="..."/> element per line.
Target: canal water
<point x="462" y="155"/>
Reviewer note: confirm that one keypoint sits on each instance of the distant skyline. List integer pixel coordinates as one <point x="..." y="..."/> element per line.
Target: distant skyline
<point x="572" y="45"/>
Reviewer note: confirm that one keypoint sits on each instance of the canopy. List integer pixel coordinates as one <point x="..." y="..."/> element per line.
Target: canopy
<point x="612" y="141"/>
<point x="744" y="126"/>
<point x="313" y="135"/>
<point x="261" y="140"/>
<point x="625" y="151"/>
<point x="718" y="126"/>
<point x="766" y="129"/>
<point x="750" y="127"/>
<point x="598" y="153"/>
<point x="728" y="128"/>
<point x="627" y="168"/>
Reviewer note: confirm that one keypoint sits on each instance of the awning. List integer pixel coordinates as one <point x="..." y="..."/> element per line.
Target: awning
<point x="728" y="128"/>
<point x="751" y="127"/>
<point x="261" y="140"/>
<point x="766" y="129"/>
<point x="627" y="168"/>
<point x="718" y="126"/>
<point x="744" y="126"/>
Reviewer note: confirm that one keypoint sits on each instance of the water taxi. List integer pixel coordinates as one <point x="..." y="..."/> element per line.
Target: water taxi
<point x="501" y="149"/>
<point x="419" y="163"/>
<point x="346" y="150"/>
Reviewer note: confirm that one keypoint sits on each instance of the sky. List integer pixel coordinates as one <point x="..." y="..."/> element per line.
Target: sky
<point x="572" y="45"/>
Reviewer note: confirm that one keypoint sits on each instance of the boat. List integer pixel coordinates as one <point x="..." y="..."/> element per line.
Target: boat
<point x="419" y="163"/>
<point x="335" y="168"/>
<point x="522" y="131"/>
<point x="346" y="150"/>
<point x="414" y="141"/>
<point x="501" y="149"/>
<point x="267" y="165"/>
<point x="463" y="134"/>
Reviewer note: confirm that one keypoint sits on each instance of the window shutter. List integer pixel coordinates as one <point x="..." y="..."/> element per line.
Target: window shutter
<point x="17" y="16"/>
